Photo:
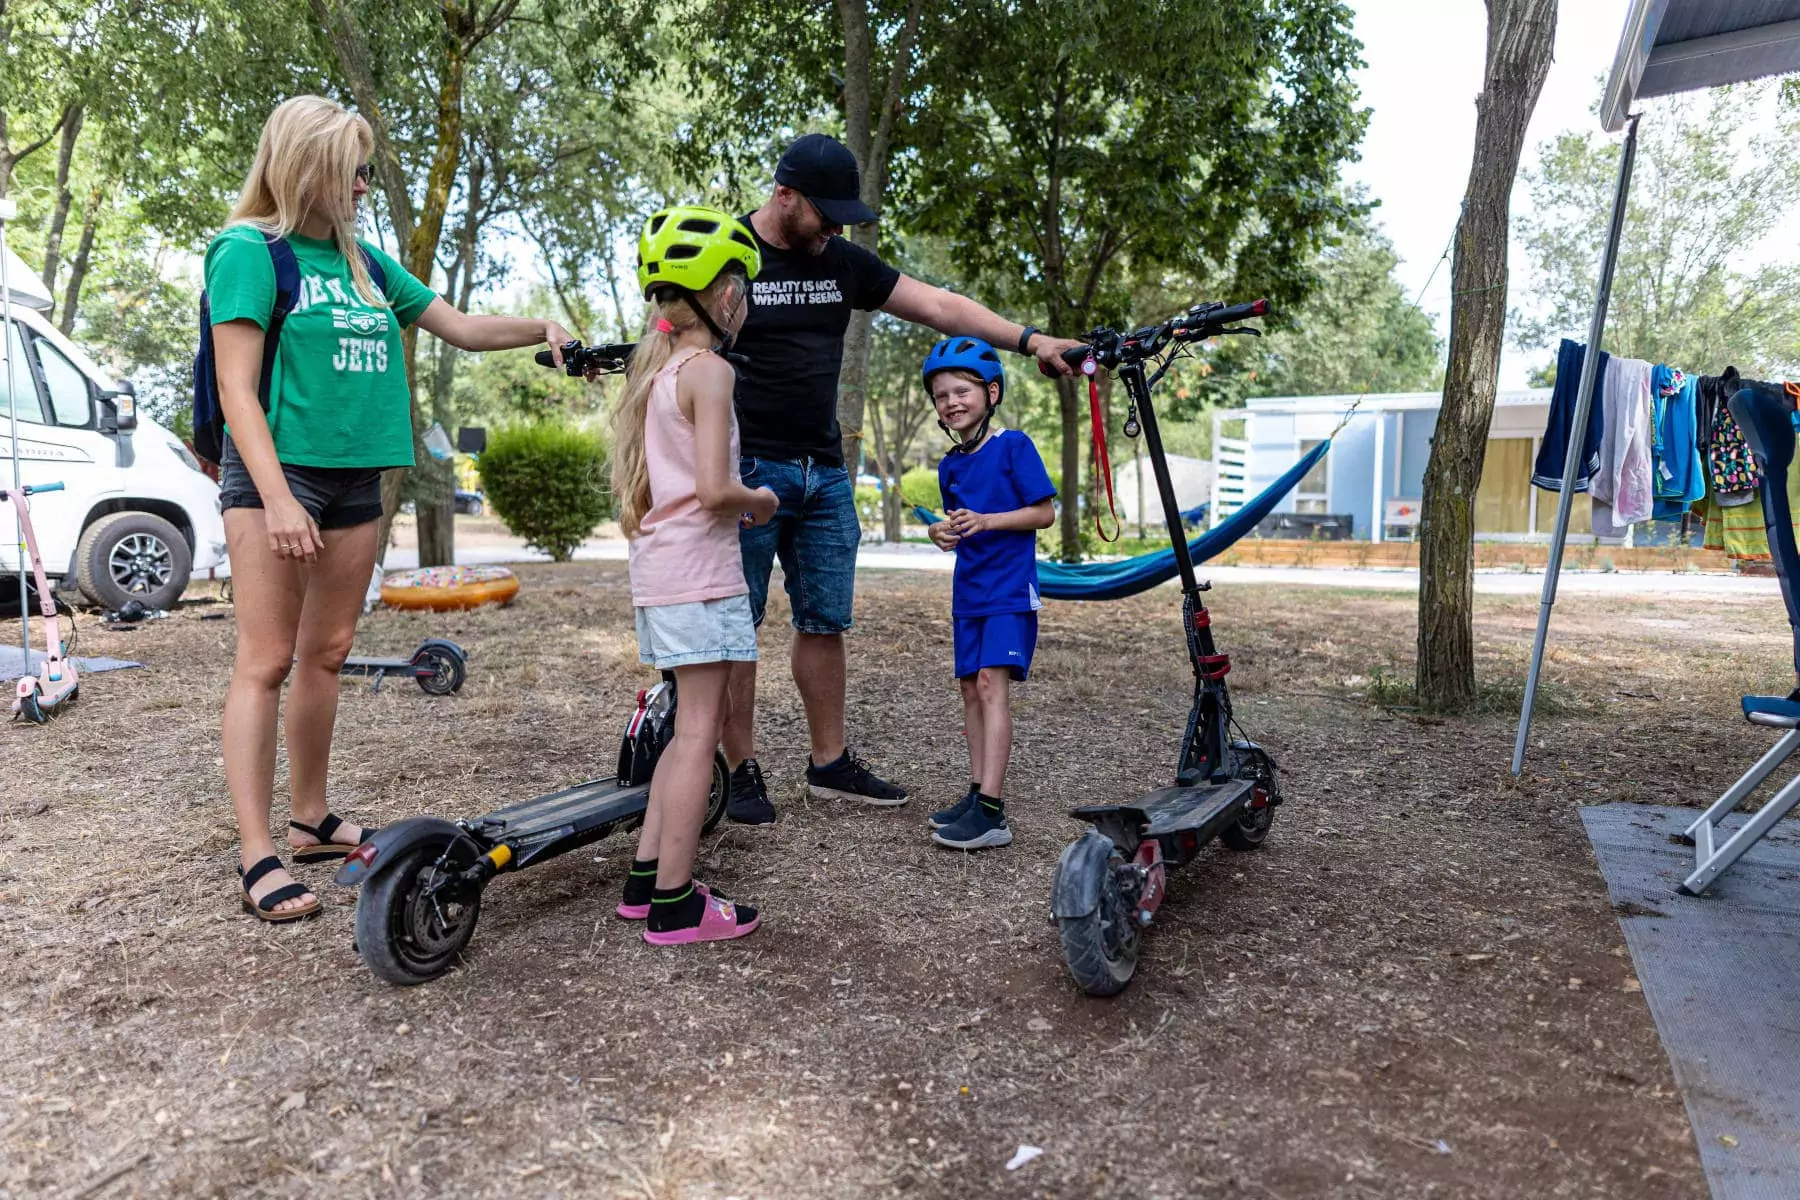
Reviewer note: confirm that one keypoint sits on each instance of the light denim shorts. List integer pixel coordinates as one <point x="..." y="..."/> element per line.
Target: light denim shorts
<point x="703" y="631"/>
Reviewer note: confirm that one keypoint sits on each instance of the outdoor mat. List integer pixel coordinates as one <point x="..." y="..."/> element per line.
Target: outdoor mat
<point x="12" y="662"/>
<point x="1722" y="977"/>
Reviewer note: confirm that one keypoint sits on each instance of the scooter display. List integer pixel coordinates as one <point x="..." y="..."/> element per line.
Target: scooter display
<point x="1110" y="881"/>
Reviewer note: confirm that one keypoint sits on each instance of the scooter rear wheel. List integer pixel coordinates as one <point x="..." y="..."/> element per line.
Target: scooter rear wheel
<point x="717" y="792"/>
<point x="447" y="669"/>
<point x="408" y="931"/>
<point x="1101" y="948"/>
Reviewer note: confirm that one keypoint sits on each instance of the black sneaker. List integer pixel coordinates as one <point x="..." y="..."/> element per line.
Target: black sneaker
<point x="849" y="778"/>
<point x="748" y="801"/>
<point x="955" y="813"/>
<point x="979" y="829"/>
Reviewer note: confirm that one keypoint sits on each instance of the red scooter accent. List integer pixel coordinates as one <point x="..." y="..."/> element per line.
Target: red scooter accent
<point x="1150" y="859"/>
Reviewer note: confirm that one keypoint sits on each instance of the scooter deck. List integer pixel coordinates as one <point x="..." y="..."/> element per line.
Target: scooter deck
<point x="388" y="666"/>
<point x="1203" y="810"/>
<point x="586" y="805"/>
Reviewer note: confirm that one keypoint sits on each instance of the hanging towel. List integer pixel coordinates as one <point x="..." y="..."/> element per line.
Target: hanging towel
<point x="1680" y="470"/>
<point x="1623" y="478"/>
<point x="1547" y="472"/>
<point x="1710" y="398"/>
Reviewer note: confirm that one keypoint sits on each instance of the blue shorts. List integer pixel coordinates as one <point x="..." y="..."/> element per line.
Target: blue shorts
<point x="815" y="534"/>
<point x="700" y="631"/>
<point x="1002" y="640"/>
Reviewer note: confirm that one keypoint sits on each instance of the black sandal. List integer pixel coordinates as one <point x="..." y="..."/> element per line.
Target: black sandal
<point x="264" y="909"/>
<point x="326" y="849"/>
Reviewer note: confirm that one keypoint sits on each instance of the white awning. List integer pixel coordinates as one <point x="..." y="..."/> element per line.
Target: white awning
<point x="27" y="289"/>
<point x="1671" y="46"/>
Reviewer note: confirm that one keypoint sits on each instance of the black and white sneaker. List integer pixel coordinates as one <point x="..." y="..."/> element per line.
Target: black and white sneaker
<point x="748" y="801"/>
<point x="849" y="778"/>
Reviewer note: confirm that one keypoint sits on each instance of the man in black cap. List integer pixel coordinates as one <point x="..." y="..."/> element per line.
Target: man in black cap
<point x="800" y="305"/>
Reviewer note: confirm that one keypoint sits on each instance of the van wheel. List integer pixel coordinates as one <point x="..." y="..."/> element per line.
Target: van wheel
<point x="132" y="556"/>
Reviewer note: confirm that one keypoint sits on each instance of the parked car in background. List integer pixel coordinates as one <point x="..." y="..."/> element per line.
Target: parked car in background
<point x="137" y="517"/>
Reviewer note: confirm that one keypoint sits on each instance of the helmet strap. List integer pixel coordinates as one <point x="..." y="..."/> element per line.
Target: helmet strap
<point x="967" y="446"/>
<point x="693" y="302"/>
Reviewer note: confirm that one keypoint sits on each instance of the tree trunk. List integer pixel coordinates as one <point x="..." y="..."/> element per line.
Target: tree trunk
<point x="417" y="229"/>
<point x="79" y="268"/>
<point x="871" y="145"/>
<point x="1070" y="494"/>
<point x="1521" y="34"/>
<point x="65" y="199"/>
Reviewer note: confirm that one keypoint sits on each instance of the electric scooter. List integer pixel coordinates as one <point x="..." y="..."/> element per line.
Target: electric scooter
<point x="438" y="666"/>
<point x="422" y="877"/>
<point x="1110" y="881"/>
<point x="37" y="697"/>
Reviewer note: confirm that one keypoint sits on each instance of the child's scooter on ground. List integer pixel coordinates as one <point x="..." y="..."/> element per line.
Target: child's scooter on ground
<point x="54" y="686"/>
<point x="438" y="666"/>
<point x="1110" y="881"/>
<point x="422" y="877"/>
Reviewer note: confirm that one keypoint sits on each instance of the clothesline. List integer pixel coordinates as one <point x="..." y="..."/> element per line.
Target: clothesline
<point x="1660" y="444"/>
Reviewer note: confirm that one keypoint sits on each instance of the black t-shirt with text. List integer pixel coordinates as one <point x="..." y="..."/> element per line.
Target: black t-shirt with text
<point x="793" y="336"/>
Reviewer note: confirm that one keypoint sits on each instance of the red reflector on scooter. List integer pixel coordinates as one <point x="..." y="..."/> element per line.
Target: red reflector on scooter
<point x="356" y="865"/>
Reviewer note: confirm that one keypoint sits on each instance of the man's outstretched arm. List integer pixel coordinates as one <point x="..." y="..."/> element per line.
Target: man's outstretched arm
<point x="950" y="314"/>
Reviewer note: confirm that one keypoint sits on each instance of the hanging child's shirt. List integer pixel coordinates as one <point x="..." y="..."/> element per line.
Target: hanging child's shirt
<point x="996" y="571"/>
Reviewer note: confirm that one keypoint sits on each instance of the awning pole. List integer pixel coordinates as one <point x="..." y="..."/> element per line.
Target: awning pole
<point x="1584" y="400"/>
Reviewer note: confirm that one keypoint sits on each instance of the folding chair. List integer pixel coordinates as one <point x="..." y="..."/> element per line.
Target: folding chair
<point x="1765" y="412"/>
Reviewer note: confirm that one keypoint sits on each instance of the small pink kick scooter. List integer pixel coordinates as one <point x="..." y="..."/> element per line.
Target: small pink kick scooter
<point x="38" y="696"/>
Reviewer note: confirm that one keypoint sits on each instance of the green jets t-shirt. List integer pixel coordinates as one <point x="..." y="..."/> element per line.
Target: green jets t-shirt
<point x="338" y="395"/>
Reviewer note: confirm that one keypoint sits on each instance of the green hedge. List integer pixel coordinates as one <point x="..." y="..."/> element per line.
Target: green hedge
<point x="548" y="482"/>
<point x="920" y="486"/>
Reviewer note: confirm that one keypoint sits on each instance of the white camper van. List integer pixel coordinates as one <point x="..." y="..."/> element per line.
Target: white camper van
<point x="136" y="517"/>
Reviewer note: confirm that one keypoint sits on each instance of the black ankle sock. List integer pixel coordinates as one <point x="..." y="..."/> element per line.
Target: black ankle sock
<point x="641" y="881"/>
<point x="676" y="908"/>
<point x="992" y="807"/>
<point x="974" y="787"/>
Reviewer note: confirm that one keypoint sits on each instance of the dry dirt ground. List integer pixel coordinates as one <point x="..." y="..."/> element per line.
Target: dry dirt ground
<point x="1417" y="988"/>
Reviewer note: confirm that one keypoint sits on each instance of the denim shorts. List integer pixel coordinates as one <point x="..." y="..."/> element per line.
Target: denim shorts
<point x="335" y="497"/>
<point x="701" y="631"/>
<point x="815" y="534"/>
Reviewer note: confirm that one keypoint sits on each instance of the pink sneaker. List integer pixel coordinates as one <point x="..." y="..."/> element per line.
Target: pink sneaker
<point x="720" y="920"/>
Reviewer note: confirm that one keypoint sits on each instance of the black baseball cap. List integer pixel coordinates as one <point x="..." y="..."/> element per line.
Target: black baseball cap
<point x="823" y="170"/>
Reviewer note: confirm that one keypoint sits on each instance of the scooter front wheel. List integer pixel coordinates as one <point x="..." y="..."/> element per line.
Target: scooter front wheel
<point x="31" y="710"/>
<point x="411" y="924"/>
<point x="1101" y="947"/>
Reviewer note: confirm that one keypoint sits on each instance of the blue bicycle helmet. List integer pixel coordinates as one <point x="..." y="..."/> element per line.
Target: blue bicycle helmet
<point x="968" y="354"/>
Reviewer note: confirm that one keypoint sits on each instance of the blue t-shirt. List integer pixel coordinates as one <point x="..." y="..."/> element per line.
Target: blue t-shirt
<point x="996" y="572"/>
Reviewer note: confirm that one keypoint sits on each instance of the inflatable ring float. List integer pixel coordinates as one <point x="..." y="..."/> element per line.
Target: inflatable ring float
<point x="446" y="589"/>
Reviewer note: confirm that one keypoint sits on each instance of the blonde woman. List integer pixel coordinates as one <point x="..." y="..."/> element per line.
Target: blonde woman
<point x="309" y="431"/>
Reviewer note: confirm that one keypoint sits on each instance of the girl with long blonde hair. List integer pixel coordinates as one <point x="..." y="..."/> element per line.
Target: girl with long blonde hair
<point x="675" y="453"/>
<point x="313" y="387"/>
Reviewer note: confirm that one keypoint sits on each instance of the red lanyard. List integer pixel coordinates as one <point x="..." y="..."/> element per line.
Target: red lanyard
<point x="1090" y="368"/>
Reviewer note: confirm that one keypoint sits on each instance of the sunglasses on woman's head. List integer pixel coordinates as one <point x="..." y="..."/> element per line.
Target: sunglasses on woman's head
<point x="365" y="171"/>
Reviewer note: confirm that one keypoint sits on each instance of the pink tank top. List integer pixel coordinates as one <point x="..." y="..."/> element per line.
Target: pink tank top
<point x="682" y="553"/>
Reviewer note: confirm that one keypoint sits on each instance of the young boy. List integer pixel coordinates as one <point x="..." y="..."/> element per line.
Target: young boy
<point x="996" y="495"/>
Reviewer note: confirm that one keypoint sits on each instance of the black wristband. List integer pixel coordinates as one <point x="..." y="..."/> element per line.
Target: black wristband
<point x="1025" y="339"/>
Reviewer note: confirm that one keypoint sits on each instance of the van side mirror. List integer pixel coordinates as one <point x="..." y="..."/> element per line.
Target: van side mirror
<point x="121" y="406"/>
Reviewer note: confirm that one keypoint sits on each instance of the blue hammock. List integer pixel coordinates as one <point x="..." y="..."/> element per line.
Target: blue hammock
<point x="1128" y="577"/>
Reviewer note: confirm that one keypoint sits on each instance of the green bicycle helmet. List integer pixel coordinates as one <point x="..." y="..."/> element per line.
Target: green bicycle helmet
<point x="688" y="245"/>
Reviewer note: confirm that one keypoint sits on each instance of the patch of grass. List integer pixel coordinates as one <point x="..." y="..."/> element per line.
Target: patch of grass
<point x="1397" y="693"/>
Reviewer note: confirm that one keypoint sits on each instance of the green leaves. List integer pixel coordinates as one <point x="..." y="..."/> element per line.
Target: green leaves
<point x="1705" y="195"/>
